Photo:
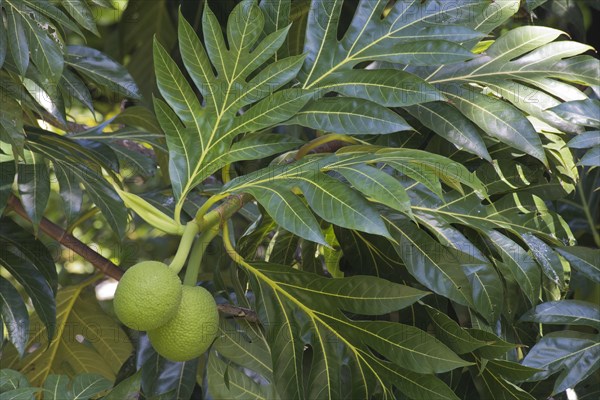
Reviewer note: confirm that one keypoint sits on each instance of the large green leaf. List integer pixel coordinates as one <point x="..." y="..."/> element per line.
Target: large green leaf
<point x="498" y="119"/>
<point x="11" y="379"/>
<point x="487" y="294"/>
<point x="71" y="84"/>
<point x="565" y="312"/>
<point x="87" y="340"/>
<point x="17" y="40"/>
<point x="527" y="68"/>
<point x="377" y="185"/>
<point x="493" y="386"/>
<point x="547" y="258"/>
<point x="580" y="112"/>
<point x="493" y="15"/>
<point x="585" y="140"/>
<point x="521" y="265"/>
<point x="452" y="334"/>
<point x="430" y="263"/>
<point x="14" y="315"/>
<point x="390" y="88"/>
<point x="511" y="370"/>
<point x="162" y="378"/>
<point x="84" y="386"/>
<point x="244" y="345"/>
<point x="34" y="187"/>
<point x="80" y="11"/>
<point x="349" y="116"/>
<point x="23" y="393"/>
<point x="288" y="210"/>
<point x="258" y="146"/>
<point x="308" y="303"/>
<point x="54" y="13"/>
<point x="365" y="290"/>
<point x="127" y="389"/>
<point x="495" y="346"/>
<point x="584" y="260"/>
<point x="525" y="216"/>
<point x="44" y="50"/>
<point x="330" y="199"/>
<point x="591" y="157"/>
<point x="37" y="288"/>
<point x="102" y="70"/>
<point x="337" y="203"/>
<point x="575" y="355"/>
<point x="15" y="239"/>
<point x="407" y="33"/>
<point x="47" y="98"/>
<point x="198" y="137"/>
<point x="237" y="385"/>
<point x="334" y="201"/>
<point x="449" y="123"/>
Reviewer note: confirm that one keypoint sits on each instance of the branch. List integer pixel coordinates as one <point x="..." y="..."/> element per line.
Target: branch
<point x="57" y="233"/>
<point x="101" y="263"/>
<point x="240" y="312"/>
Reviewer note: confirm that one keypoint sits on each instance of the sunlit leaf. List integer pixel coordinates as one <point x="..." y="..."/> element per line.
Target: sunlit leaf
<point x="37" y="288"/>
<point x="102" y="70"/>
<point x="86" y="340"/>
<point x="574" y="354"/>
<point x="34" y="187"/>
<point x="565" y="312"/>
<point x="13" y="314"/>
<point x="350" y="116"/>
<point x="584" y="260"/>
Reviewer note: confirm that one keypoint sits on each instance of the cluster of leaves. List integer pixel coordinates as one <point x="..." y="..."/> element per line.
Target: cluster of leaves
<point x="15" y="385"/>
<point x="40" y="73"/>
<point x="421" y="260"/>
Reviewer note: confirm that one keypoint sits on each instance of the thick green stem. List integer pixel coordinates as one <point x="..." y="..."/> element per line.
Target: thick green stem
<point x="208" y="204"/>
<point x="223" y="212"/>
<point x="189" y="233"/>
<point x="200" y="245"/>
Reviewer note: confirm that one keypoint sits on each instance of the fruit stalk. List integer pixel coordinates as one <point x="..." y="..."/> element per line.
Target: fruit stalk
<point x="200" y="245"/>
<point x="187" y="239"/>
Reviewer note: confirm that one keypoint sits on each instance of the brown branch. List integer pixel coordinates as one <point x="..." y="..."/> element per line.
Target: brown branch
<point x="239" y="312"/>
<point x="101" y="263"/>
<point x="57" y="233"/>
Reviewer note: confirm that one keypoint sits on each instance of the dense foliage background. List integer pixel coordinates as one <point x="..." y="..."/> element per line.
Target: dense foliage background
<point x="397" y="199"/>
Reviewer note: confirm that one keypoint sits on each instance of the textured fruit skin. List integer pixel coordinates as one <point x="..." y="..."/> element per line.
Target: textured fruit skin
<point x="192" y="330"/>
<point x="148" y="295"/>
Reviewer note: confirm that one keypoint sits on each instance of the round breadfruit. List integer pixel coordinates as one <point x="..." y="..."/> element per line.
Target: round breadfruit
<point x="192" y="329"/>
<point x="148" y="295"/>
